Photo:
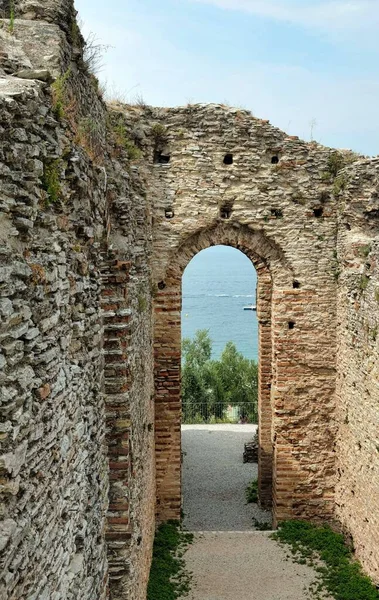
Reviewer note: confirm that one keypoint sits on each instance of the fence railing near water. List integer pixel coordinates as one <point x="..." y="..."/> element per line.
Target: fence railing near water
<point x="202" y="413"/>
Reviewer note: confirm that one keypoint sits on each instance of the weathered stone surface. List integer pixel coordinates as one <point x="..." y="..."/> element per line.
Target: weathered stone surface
<point x="357" y="444"/>
<point x="41" y="75"/>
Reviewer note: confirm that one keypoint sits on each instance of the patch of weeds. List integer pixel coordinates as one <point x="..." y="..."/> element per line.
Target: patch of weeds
<point x="59" y="91"/>
<point x="76" y="36"/>
<point x="340" y="574"/>
<point x="374" y="334"/>
<point x="51" y="180"/>
<point x="298" y="198"/>
<point x="339" y="184"/>
<point x="261" y="525"/>
<point x="325" y="176"/>
<point x="335" y="163"/>
<point x="168" y="577"/>
<point x="363" y="282"/>
<point x="97" y="86"/>
<point x="122" y="140"/>
<point x="11" y="17"/>
<point x="89" y="137"/>
<point x="38" y="273"/>
<point x="142" y="304"/>
<point x="140" y="101"/>
<point x="181" y="133"/>
<point x="364" y="251"/>
<point x="93" y="54"/>
<point x="251" y="492"/>
<point x="132" y="151"/>
<point x="336" y="270"/>
<point x="377" y="295"/>
<point x="159" y="132"/>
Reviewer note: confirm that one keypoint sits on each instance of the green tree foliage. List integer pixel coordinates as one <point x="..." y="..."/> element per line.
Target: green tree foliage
<point x="210" y="386"/>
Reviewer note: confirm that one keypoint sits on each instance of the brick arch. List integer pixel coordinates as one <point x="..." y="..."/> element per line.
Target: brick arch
<point x="283" y="215"/>
<point x="264" y="252"/>
<point x="271" y="265"/>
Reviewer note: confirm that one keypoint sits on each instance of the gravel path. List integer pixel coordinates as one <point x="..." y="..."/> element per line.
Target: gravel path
<point x="244" y="566"/>
<point x="215" y="478"/>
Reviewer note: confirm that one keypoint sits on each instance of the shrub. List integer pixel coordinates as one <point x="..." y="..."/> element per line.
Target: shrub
<point x="159" y="132"/>
<point x="335" y="163"/>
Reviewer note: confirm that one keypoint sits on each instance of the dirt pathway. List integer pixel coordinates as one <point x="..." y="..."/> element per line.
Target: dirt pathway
<point x="244" y="566"/>
<point x="215" y="478"/>
<point x="229" y="560"/>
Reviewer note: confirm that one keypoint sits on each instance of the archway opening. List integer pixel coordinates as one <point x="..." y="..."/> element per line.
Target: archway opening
<point x="219" y="392"/>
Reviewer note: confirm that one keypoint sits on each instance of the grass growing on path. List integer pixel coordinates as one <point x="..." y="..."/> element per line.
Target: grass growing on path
<point x="168" y="578"/>
<point x="341" y="575"/>
<point x="252" y="491"/>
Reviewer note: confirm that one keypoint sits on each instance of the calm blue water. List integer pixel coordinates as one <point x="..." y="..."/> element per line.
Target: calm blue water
<point x="217" y="284"/>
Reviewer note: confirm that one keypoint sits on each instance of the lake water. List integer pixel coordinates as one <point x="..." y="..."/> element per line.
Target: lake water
<point x="217" y="284"/>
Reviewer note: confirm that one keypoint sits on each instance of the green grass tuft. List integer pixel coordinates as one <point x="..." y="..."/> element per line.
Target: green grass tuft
<point x="11" y="17"/>
<point x="51" y="180"/>
<point x="340" y="574"/>
<point x="252" y="491"/>
<point x="363" y="282"/>
<point x="122" y="140"/>
<point x="59" y="94"/>
<point x="168" y="578"/>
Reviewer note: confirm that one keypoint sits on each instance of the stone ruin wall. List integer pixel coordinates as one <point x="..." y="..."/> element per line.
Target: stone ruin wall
<point x="54" y="464"/>
<point x="357" y="445"/>
<point x="77" y="428"/>
<point x="79" y="278"/>
<point x="273" y="203"/>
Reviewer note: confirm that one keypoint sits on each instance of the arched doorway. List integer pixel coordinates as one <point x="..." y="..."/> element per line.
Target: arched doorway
<point x="168" y="305"/>
<point x="219" y="381"/>
<point x="296" y="378"/>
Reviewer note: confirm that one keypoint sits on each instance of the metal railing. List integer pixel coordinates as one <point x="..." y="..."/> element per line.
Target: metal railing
<point x="202" y="413"/>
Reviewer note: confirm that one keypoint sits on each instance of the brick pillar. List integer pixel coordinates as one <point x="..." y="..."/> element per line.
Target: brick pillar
<point x="303" y="405"/>
<point x="118" y="426"/>
<point x="167" y="350"/>
<point x="265" y="451"/>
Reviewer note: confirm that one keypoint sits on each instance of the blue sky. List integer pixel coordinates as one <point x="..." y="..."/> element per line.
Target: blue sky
<point x="310" y="66"/>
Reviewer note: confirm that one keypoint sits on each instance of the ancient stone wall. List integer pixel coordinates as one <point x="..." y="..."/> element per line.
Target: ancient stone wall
<point x="77" y="427"/>
<point x="357" y="491"/>
<point x="53" y="463"/>
<point x="129" y="383"/>
<point x="218" y="175"/>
